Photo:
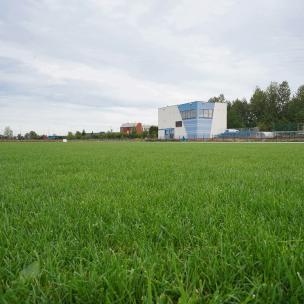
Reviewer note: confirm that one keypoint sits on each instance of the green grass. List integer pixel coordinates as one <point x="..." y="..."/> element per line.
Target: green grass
<point x="150" y="222"/>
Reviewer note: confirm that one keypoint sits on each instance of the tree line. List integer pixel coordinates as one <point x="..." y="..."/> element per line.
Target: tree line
<point x="152" y="133"/>
<point x="272" y="109"/>
<point x="32" y="135"/>
<point x="9" y="134"/>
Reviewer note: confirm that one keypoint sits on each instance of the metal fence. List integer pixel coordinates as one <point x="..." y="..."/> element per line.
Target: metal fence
<point x="241" y="136"/>
<point x="251" y="136"/>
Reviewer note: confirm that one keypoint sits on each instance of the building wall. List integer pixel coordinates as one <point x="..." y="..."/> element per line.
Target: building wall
<point x="126" y="130"/>
<point x="137" y="129"/>
<point x="196" y="127"/>
<point x="167" y="118"/>
<point x="219" y="124"/>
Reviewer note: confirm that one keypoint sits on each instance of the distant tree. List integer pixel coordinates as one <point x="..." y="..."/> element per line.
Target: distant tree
<point x="295" y="111"/>
<point x="92" y="135"/>
<point x="144" y="134"/>
<point x="70" y="135"/>
<point x="83" y="134"/>
<point x="300" y="94"/>
<point x="273" y="109"/>
<point x="238" y="115"/>
<point x="231" y="116"/>
<point x="271" y="116"/>
<point x="8" y="132"/>
<point x="258" y="107"/>
<point x="78" y="135"/>
<point x="101" y="135"/>
<point x="113" y="135"/>
<point x="220" y="98"/>
<point x="284" y="94"/>
<point x="153" y="131"/>
<point x="31" y="135"/>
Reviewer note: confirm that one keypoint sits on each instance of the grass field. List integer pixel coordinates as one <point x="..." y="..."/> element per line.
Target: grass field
<point x="150" y="222"/>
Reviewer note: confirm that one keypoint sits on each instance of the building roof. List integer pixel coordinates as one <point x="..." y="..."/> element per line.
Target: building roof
<point x="129" y="125"/>
<point x="190" y="102"/>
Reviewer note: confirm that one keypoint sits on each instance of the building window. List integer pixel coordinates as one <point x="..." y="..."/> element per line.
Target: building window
<point x="206" y="113"/>
<point x="178" y="124"/>
<point x="189" y="114"/>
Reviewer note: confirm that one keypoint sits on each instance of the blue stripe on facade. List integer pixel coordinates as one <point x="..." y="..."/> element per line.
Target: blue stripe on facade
<point x="189" y="124"/>
<point x="197" y="128"/>
<point x="204" y="125"/>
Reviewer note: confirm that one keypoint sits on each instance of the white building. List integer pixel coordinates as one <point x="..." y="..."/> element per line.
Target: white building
<point x="193" y="120"/>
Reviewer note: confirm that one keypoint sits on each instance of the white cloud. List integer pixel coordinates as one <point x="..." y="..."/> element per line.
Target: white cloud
<point x="188" y="15"/>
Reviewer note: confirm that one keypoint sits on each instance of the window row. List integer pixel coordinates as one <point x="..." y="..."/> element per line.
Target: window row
<point x="189" y="114"/>
<point x="204" y="113"/>
<point x="192" y="114"/>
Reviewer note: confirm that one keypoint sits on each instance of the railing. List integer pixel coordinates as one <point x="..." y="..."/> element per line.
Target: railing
<point x="276" y="136"/>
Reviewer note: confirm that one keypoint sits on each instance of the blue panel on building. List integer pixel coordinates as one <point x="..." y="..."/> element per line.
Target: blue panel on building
<point x="197" y="127"/>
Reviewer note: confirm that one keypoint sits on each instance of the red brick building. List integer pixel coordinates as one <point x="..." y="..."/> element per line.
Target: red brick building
<point x="131" y="128"/>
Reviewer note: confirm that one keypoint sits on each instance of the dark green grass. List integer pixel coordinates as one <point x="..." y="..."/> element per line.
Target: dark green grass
<point x="145" y="222"/>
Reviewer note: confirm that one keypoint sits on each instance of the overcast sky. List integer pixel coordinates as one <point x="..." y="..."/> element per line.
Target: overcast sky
<point x="68" y="65"/>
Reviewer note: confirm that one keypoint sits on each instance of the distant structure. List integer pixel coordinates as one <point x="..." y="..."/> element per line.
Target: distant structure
<point x="54" y="136"/>
<point x="193" y="120"/>
<point x="133" y="128"/>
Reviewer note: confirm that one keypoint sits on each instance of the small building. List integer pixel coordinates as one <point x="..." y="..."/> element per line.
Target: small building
<point x="131" y="128"/>
<point x="193" y="120"/>
<point x="54" y="136"/>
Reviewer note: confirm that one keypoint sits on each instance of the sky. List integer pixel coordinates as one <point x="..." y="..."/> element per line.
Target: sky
<point x="68" y="65"/>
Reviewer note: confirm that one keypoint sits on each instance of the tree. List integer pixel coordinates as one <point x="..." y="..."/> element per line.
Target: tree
<point x="271" y="115"/>
<point x="93" y="135"/>
<point x="153" y="132"/>
<point x="78" y="135"/>
<point x="300" y="94"/>
<point x="238" y="115"/>
<point x="31" y="135"/>
<point x="83" y="134"/>
<point x="295" y="110"/>
<point x="220" y="98"/>
<point x="264" y="107"/>
<point x="8" y="132"/>
<point x="70" y="135"/>
<point x="258" y="106"/>
<point x="283" y="98"/>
